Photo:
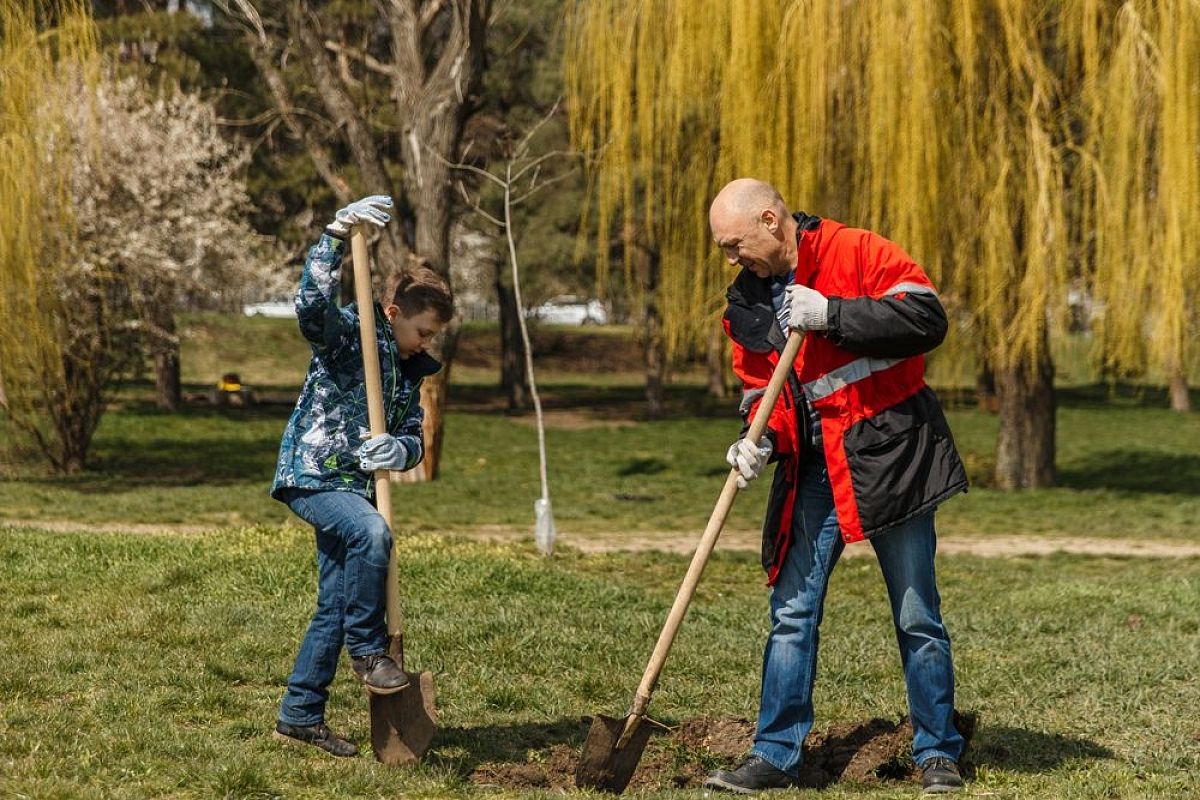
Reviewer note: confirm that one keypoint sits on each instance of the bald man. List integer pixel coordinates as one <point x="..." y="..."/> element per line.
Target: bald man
<point x="862" y="451"/>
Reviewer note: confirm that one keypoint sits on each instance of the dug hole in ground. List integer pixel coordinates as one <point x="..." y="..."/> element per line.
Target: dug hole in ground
<point x="870" y="752"/>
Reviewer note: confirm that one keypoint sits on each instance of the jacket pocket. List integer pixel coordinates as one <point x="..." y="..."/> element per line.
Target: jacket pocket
<point x="902" y="461"/>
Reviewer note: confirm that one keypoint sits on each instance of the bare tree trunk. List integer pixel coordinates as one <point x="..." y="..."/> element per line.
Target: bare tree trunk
<point x="1025" y="444"/>
<point x="167" y="385"/>
<point x="716" y="364"/>
<point x="168" y="389"/>
<point x="655" y="363"/>
<point x="373" y="177"/>
<point x="436" y="113"/>
<point x="512" y="347"/>
<point x="985" y="388"/>
<point x="653" y="342"/>
<point x="1177" y="389"/>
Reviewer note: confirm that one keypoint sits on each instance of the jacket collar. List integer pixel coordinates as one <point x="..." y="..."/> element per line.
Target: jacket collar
<point x="417" y="366"/>
<point x="808" y="234"/>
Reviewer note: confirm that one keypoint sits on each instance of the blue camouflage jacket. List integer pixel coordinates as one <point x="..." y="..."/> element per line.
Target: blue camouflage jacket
<point x="329" y="423"/>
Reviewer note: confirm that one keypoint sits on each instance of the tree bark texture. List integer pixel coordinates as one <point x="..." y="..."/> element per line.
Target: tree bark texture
<point x="513" y="380"/>
<point x="716" y="362"/>
<point x="167" y="384"/>
<point x="1025" y="445"/>
<point x="1178" y="391"/>
<point x="653" y="341"/>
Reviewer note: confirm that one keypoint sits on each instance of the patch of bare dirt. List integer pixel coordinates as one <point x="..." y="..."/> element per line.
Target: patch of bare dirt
<point x="750" y="540"/>
<point x="873" y="751"/>
<point x="685" y="543"/>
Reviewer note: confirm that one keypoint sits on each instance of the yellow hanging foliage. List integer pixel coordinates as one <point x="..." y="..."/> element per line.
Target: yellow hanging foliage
<point x="40" y="43"/>
<point x="1175" y="301"/>
<point x="1012" y="146"/>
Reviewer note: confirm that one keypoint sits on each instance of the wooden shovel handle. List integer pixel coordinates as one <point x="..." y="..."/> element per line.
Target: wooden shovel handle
<point x="716" y="522"/>
<point x="375" y="415"/>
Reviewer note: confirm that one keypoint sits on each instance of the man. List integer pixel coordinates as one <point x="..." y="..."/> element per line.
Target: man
<point x="862" y="451"/>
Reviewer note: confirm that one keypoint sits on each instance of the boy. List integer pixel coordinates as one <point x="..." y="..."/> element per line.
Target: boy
<point x="326" y="465"/>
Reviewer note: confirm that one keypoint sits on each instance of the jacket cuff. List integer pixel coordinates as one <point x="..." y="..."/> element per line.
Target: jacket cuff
<point x="414" y="449"/>
<point x="834" y="318"/>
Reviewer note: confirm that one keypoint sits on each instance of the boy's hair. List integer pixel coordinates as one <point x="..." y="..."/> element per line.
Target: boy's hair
<point x="419" y="289"/>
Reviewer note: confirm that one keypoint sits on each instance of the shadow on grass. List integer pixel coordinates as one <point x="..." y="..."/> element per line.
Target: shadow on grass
<point x="1118" y="395"/>
<point x="1135" y="471"/>
<point x="1094" y="396"/>
<point x="505" y="743"/>
<point x="598" y="403"/>
<point x="180" y="449"/>
<point x="1028" y="751"/>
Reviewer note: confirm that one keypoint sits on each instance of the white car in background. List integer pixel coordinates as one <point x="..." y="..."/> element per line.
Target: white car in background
<point x="283" y="309"/>
<point x="567" y="309"/>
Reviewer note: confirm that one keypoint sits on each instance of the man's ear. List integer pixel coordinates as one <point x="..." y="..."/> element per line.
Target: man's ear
<point x="390" y="311"/>
<point x="770" y="219"/>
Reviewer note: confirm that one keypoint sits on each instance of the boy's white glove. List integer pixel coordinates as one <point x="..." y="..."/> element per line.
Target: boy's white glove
<point x="748" y="459"/>
<point x="383" y="452"/>
<point x="369" y="209"/>
<point x="808" y="309"/>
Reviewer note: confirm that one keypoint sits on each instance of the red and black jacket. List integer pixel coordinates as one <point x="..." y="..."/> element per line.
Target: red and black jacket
<point x="887" y="447"/>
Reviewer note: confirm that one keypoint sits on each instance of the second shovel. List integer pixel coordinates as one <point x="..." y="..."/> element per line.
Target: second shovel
<point x="614" y="746"/>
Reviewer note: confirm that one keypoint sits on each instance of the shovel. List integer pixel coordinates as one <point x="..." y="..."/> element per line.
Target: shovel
<point x="402" y="724"/>
<point x="614" y="746"/>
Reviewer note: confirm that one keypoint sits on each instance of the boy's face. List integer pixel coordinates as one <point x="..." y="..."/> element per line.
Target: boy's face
<point x="413" y="334"/>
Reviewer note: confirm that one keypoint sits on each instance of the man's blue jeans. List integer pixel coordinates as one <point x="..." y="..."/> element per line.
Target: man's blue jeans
<point x="353" y="546"/>
<point x="797" y="604"/>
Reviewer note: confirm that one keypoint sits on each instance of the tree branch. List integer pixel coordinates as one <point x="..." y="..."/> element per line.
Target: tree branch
<point x="534" y="190"/>
<point x="283" y="102"/>
<point x="366" y="59"/>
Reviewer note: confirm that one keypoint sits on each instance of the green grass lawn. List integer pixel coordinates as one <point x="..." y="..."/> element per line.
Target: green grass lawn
<point x="1127" y="467"/>
<point x="152" y="666"/>
<point x="1126" y="470"/>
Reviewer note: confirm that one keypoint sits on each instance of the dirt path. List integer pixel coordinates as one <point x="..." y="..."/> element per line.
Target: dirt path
<point x="748" y="541"/>
<point x="733" y="540"/>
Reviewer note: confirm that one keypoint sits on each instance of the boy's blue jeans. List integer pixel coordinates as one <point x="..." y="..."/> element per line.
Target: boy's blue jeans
<point x="353" y="546"/>
<point x="797" y="604"/>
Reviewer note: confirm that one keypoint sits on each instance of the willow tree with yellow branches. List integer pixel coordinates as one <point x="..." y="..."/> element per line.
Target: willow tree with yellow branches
<point x="976" y="133"/>
<point x="1146" y="151"/>
<point x="41" y="44"/>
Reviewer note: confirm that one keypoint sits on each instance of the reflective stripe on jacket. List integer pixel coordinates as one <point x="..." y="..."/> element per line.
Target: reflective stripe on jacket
<point x="885" y="441"/>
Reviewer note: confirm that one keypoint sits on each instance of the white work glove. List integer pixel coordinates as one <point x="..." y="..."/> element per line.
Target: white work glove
<point x="748" y="459"/>
<point x="808" y="309"/>
<point x="370" y="209"/>
<point x="383" y="452"/>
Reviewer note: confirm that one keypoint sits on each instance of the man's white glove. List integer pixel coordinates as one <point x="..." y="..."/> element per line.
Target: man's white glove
<point x="748" y="459"/>
<point x="382" y="452"/>
<point x="370" y="209"/>
<point x="808" y="309"/>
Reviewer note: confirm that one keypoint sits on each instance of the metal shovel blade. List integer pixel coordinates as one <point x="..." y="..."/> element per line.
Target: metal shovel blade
<point x="403" y="724"/>
<point x="605" y="762"/>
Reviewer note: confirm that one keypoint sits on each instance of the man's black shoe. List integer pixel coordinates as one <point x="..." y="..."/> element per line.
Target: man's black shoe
<point x="940" y="775"/>
<point x="754" y="775"/>
<point x="317" y="735"/>
<point x="379" y="673"/>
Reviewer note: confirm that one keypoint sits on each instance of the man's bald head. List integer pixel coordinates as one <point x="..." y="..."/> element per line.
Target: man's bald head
<point x="747" y="198"/>
<point x="751" y="225"/>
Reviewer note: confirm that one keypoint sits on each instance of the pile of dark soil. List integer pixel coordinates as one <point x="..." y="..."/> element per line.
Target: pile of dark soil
<point x="864" y="752"/>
